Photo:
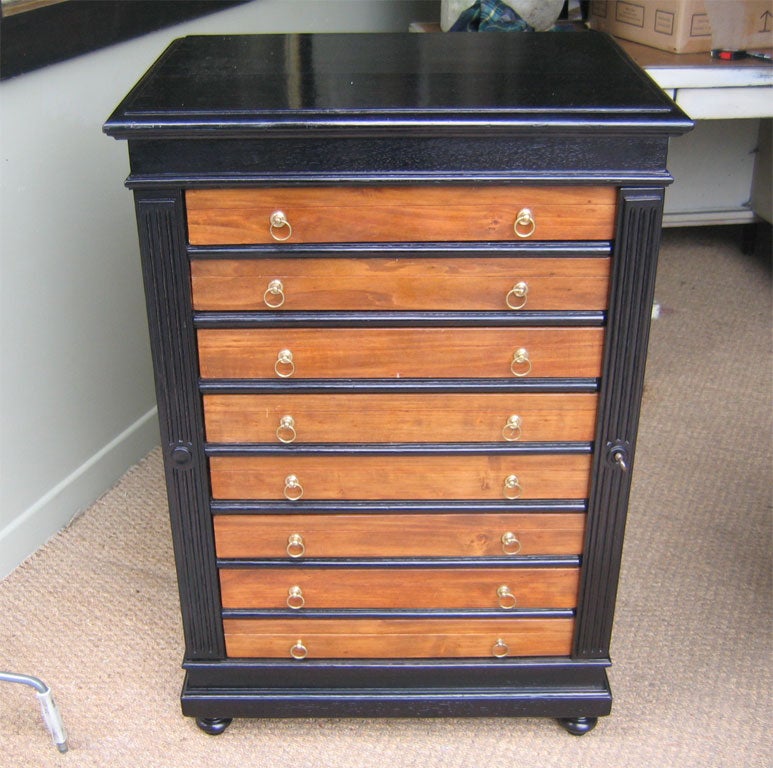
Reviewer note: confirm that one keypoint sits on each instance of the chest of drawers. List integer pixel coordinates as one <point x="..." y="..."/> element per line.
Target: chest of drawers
<point x="398" y="292"/>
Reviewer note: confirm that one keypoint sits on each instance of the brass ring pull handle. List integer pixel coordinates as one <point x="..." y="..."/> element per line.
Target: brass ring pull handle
<point x="517" y="296"/>
<point x="285" y="432"/>
<point x="293" y="488"/>
<point x="521" y="365"/>
<point x="507" y="599"/>
<point x="277" y="222"/>
<point x="295" y="545"/>
<point x="524" y="225"/>
<point x="299" y="650"/>
<point x="295" y="598"/>
<point x="511" y="544"/>
<point x="274" y="295"/>
<point x="512" y="488"/>
<point x="499" y="650"/>
<point x="512" y="429"/>
<point x="284" y="367"/>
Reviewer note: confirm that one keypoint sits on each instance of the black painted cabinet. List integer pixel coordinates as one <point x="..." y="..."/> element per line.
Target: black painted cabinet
<point x="398" y="291"/>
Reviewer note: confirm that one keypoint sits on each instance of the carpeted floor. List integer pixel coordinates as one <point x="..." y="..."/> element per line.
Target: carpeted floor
<point x="94" y="613"/>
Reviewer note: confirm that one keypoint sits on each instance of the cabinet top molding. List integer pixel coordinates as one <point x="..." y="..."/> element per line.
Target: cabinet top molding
<point x="438" y="84"/>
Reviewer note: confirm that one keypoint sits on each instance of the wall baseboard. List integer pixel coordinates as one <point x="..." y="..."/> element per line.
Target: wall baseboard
<point x="55" y="509"/>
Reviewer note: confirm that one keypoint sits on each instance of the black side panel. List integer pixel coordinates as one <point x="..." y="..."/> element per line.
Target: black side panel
<point x="173" y="343"/>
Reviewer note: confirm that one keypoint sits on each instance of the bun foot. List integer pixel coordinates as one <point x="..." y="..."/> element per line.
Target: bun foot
<point x="214" y="726"/>
<point x="578" y="726"/>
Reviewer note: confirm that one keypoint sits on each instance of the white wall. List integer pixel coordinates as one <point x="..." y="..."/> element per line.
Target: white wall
<point x="76" y="391"/>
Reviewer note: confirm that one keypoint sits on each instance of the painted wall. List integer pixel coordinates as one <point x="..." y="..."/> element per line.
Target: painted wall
<point x="76" y="390"/>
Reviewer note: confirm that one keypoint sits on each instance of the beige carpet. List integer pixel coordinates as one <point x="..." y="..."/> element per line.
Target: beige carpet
<point x="94" y="613"/>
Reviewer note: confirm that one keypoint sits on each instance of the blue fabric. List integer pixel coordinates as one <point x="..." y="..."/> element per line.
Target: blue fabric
<point x="490" y="16"/>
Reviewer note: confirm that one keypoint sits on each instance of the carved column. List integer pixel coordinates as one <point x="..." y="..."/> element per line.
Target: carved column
<point x="161" y="227"/>
<point x="630" y="309"/>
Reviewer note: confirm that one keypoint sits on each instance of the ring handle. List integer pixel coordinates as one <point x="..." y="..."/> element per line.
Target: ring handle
<point x="284" y="367"/>
<point x="295" y="599"/>
<point x="499" y="650"/>
<point x="512" y="429"/>
<point x="285" y="432"/>
<point x="519" y="293"/>
<point x="293" y="488"/>
<point x="511" y="544"/>
<point x="524" y="225"/>
<point x="274" y="295"/>
<point x="277" y="221"/>
<point x="520" y="359"/>
<point x="512" y="488"/>
<point x="295" y="546"/>
<point x="299" y="651"/>
<point x="507" y="599"/>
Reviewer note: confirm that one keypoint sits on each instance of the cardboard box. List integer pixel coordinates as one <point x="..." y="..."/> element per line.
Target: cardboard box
<point x="679" y="26"/>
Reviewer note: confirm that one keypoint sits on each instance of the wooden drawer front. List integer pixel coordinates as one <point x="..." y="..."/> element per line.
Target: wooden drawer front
<point x="401" y="284"/>
<point x="387" y="588"/>
<point x="400" y="352"/>
<point x="398" y="638"/>
<point x="380" y="477"/>
<point x="366" y="418"/>
<point x="398" y="535"/>
<point x="399" y="214"/>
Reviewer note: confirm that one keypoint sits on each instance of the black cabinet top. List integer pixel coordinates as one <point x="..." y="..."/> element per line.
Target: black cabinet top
<point x="439" y="84"/>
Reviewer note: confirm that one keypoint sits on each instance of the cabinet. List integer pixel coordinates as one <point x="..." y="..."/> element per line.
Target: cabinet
<point x="398" y="294"/>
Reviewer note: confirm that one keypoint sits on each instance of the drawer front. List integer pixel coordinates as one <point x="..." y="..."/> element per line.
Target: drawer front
<point x="398" y="638"/>
<point x="303" y="353"/>
<point x="399" y="214"/>
<point x="406" y="588"/>
<point x="398" y="535"/>
<point x="381" y="477"/>
<point x="417" y="284"/>
<point x="405" y="418"/>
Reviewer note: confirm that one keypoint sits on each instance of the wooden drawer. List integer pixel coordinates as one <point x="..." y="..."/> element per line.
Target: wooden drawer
<point x="405" y="418"/>
<point x="408" y="284"/>
<point x="398" y="638"/>
<point x="399" y="214"/>
<point x="379" y="477"/>
<point x="324" y="353"/>
<point x="406" y="588"/>
<point x="398" y="535"/>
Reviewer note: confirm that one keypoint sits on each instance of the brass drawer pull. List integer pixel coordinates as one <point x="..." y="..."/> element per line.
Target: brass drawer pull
<point x="284" y="365"/>
<point x="511" y="544"/>
<point x="293" y="488"/>
<point x="295" y="599"/>
<point x="512" y="429"/>
<point x="285" y="432"/>
<point x="299" y="650"/>
<point x="295" y="545"/>
<point x="512" y="488"/>
<point x="500" y="649"/>
<point x="519" y="293"/>
<point x="521" y="365"/>
<point x="274" y="295"/>
<point x="507" y="599"/>
<point x="525" y="225"/>
<point x="277" y="222"/>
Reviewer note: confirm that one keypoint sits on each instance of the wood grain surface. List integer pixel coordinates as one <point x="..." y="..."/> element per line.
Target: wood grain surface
<point x="399" y="214"/>
<point x="399" y="535"/>
<point x="400" y="284"/>
<point x="399" y="638"/>
<point x="379" y="477"/>
<point x="246" y="353"/>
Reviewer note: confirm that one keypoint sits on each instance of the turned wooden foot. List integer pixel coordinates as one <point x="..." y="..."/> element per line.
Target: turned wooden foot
<point x="578" y="726"/>
<point x="214" y="726"/>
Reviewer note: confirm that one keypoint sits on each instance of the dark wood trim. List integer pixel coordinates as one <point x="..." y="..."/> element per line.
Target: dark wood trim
<point x="630" y="306"/>
<point x="173" y="345"/>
